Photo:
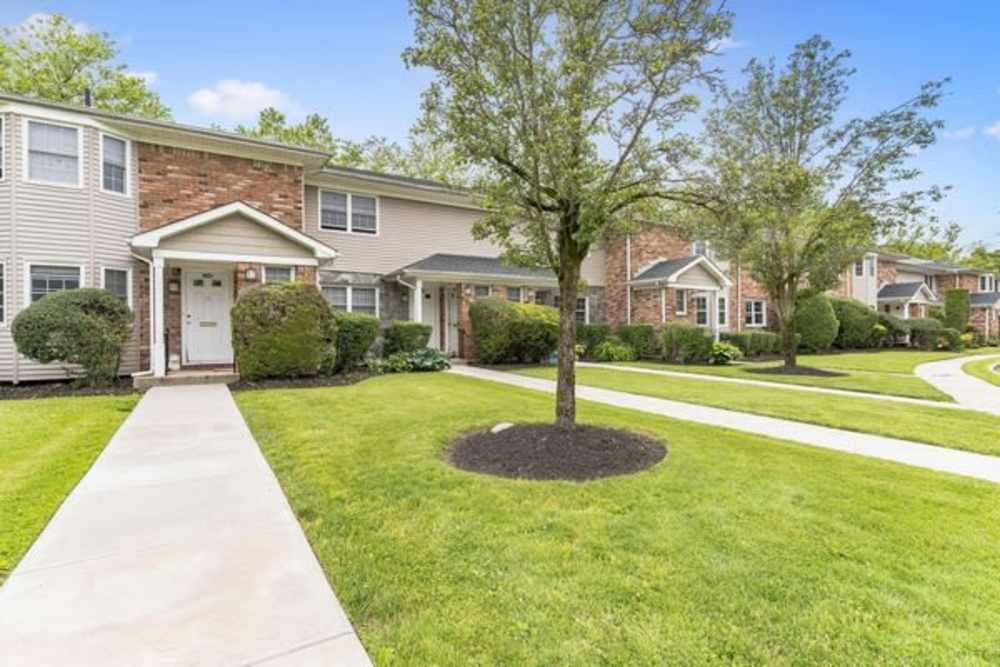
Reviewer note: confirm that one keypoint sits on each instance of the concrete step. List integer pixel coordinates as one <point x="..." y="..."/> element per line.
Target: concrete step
<point x="213" y="376"/>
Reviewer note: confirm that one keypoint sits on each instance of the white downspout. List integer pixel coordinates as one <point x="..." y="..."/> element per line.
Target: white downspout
<point x="628" y="279"/>
<point x="152" y="312"/>
<point x="413" y="294"/>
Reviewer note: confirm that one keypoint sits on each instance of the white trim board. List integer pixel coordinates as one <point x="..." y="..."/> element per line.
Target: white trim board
<point x="194" y="256"/>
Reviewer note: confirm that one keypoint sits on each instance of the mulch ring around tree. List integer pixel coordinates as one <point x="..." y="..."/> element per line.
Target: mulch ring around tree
<point x="62" y="388"/>
<point x="798" y="370"/>
<point x="546" y="452"/>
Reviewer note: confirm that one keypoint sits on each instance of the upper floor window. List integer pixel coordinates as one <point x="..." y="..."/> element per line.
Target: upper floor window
<point x="870" y="265"/>
<point x="987" y="283"/>
<point x="114" y="164"/>
<point x="49" y="279"/>
<point x="931" y="281"/>
<point x="278" y="274"/>
<point x="346" y="212"/>
<point x="53" y="153"/>
<point x="703" y="248"/>
<point x="859" y="269"/>
<point x="117" y="282"/>
<point x="756" y="313"/>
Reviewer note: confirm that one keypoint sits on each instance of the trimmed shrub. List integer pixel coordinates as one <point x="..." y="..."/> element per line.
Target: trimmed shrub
<point x="356" y="333"/>
<point x="950" y="339"/>
<point x="724" y="354"/>
<point x="937" y="312"/>
<point x="924" y="332"/>
<point x="613" y="350"/>
<point x="764" y="342"/>
<point x="956" y="309"/>
<point x="896" y="329"/>
<point x="685" y="343"/>
<point x="491" y="318"/>
<point x="739" y="339"/>
<point x="640" y="337"/>
<point x="856" y="322"/>
<point x="86" y="327"/>
<point x="879" y="333"/>
<point x="508" y="332"/>
<point x="405" y="336"/>
<point x="590" y="336"/>
<point x="283" y="330"/>
<point x="816" y="322"/>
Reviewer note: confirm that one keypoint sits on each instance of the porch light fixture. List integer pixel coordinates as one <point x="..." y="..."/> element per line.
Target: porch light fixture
<point x="250" y="275"/>
<point x="174" y="286"/>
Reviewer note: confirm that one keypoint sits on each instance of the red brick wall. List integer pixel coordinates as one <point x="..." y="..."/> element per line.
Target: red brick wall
<point x="745" y="287"/>
<point x="986" y="321"/>
<point x="175" y="183"/>
<point x="650" y="243"/>
<point x="887" y="271"/>
<point x="962" y="281"/>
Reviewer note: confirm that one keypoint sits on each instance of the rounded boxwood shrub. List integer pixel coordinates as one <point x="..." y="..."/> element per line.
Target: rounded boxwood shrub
<point x="85" y="327"/>
<point x="686" y="344"/>
<point x="508" y="332"/>
<point x="924" y="332"/>
<point x="534" y="332"/>
<point x="896" y="329"/>
<point x="283" y="330"/>
<point x="764" y="342"/>
<point x="956" y="309"/>
<point x="590" y="336"/>
<point x="614" y="350"/>
<point x="950" y="339"/>
<point x="816" y="322"/>
<point x="856" y="323"/>
<point x="406" y="337"/>
<point x="491" y="328"/>
<point x="640" y="337"/>
<point x="356" y="333"/>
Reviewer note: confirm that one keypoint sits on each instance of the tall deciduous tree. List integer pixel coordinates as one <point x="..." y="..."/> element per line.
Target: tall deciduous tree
<point x="566" y="109"/>
<point x="797" y="192"/>
<point x="53" y="59"/>
<point x="930" y="241"/>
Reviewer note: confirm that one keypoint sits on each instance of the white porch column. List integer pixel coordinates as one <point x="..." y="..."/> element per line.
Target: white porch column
<point x="156" y="320"/>
<point x="713" y="313"/>
<point x="418" y="301"/>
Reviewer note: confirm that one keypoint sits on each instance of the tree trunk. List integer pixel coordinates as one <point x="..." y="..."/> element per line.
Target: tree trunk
<point x="786" y="321"/>
<point x="569" y="281"/>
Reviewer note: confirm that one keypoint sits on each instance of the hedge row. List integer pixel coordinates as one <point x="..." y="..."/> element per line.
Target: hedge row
<point x="505" y="332"/>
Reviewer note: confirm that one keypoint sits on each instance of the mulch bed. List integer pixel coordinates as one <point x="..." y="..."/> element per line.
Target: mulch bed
<point x="339" y="380"/>
<point x="798" y="370"/>
<point x="546" y="452"/>
<point x="62" y="388"/>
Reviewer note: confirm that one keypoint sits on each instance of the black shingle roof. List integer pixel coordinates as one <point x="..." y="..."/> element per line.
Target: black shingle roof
<point x="984" y="298"/>
<point x="666" y="268"/>
<point x="899" y="291"/>
<point x="470" y="265"/>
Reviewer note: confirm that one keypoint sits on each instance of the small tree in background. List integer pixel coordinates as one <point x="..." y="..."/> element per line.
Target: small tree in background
<point x="53" y="59"/>
<point x="795" y="192"/>
<point x="565" y="110"/>
<point x="956" y="309"/>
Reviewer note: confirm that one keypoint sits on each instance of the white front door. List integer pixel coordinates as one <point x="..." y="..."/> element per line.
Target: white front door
<point x="452" y="330"/>
<point x="208" y="297"/>
<point x="431" y="314"/>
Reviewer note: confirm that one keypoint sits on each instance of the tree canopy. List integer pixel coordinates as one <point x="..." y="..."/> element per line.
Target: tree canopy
<point x="50" y="58"/>
<point x="567" y="109"/>
<point x="796" y="191"/>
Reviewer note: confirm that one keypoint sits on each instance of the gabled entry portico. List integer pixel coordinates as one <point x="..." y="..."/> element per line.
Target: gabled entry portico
<point x="199" y="265"/>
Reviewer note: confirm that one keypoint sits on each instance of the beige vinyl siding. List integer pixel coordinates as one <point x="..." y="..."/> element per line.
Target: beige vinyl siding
<point x="699" y="276"/>
<point x="6" y="253"/>
<point x="65" y="226"/>
<point x="237" y="235"/>
<point x="904" y="277"/>
<point x="409" y="231"/>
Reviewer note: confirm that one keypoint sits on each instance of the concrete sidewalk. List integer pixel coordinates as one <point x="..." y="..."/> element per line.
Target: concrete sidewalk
<point x="916" y="454"/>
<point x="968" y="391"/>
<point x="177" y="548"/>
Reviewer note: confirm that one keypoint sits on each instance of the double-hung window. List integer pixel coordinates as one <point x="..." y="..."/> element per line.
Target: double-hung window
<point x="346" y="212"/>
<point x="481" y="291"/>
<point x="278" y="274"/>
<point x="351" y="299"/>
<point x="46" y="279"/>
<point x="53" y="153"/>
<point x="514" y="294"/>
<point x="701" y="311"/>
<point x="986" y="283"/>
<point x="680" y="302"/>
<point x="117" y="281"/>
<point x="756" y="313"/>
<point x="859" y="269"/>
<point x="870" y="265"/>
<point x="114" y="164"/>
<point x="582" y="311"/>
<point x="722" y="311"/>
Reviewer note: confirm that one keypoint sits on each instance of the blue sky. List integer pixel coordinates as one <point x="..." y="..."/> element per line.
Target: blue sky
<point x="220" y="61"/>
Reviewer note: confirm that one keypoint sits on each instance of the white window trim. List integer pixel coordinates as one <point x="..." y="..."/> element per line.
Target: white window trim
<point x="520" y="293"/>
<point x="350" y="218"/>
<point x="263" y="273"/>
<point x="586" y="309"/>
<point x="128" y="163"/>
<point x="489" y="291"/>
<point x="684" y="292"/>
<point x="707" y="311"/>
<point x="128" y="280"/>
<point x="60" y="264"/>
<point x="350" y="296"/>
<point x="25" y="152"/>
<point x="722" y="311"/>
<point x="763" y="313"/>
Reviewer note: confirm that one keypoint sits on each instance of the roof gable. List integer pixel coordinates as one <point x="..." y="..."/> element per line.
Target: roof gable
<point x="671" y="270"/>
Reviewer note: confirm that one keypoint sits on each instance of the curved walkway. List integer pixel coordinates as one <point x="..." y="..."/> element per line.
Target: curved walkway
<point x="969" y="392"/>
<point x="176" y="548"/>
<point x="979" y="466"/>
<point x="778" y="385"/>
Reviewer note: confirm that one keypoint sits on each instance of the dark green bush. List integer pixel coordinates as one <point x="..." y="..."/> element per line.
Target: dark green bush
<point x="640" y="337"/>
<point x="590" y="336"/>
<point x="924" y="332"/>
<point x="724" y="353"/>
<point x="816" y="322"/>
<point x="764" y="342"/>
<point x="415" y="361"/>
<point x="508" y="332"/>
<point x="614" y="350"/>
<point x="896" y="329"/>
<point x="739" y="339"/>
<point x="283" y="330"/>
<point x="950" y="339"/>
<point x="356" y="333"/>
<point x="86" y="327"/>
<point x="686" y="344"/>
<point x="937" y="312"/>
<point x="956" y="309"/>
<point x="406" y="337"/>
<point x="856" y="322"/>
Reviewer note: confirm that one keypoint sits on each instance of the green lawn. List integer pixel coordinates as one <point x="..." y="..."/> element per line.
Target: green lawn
<point x="734" y="550"/>
<point x="959" y="429"/>
<point x="46" y="446"/>
<point x="984" y="370"/>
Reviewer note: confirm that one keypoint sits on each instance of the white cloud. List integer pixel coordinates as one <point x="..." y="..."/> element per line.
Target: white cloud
<point x="959" y="133"/>
<point x="149" y="77"/>
<point x="725" y="44"/>
<point x="239" y="100"/>
<point x="993" y="130"/>
<point x="79" y="26"/>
